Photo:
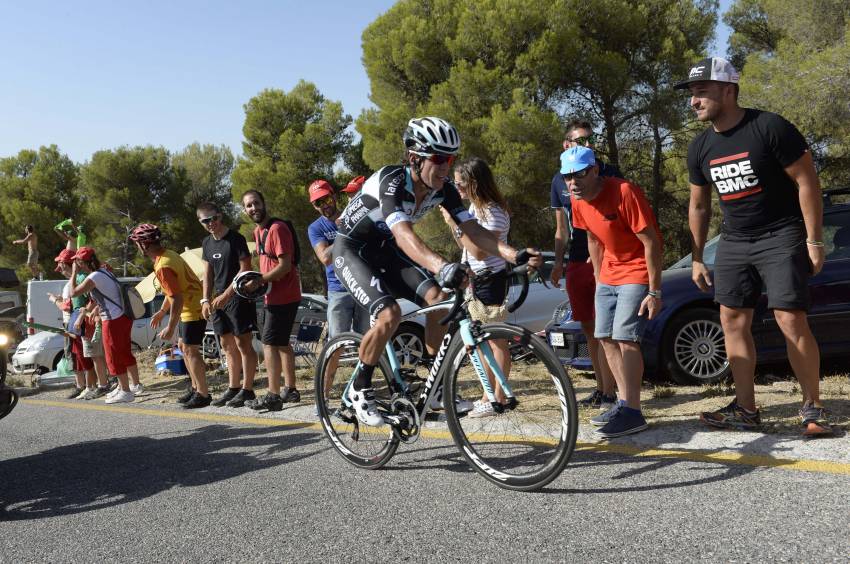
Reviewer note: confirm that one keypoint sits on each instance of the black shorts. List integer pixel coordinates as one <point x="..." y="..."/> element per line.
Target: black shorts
<point x="277" y="324"/>
<point x="238" y="317"/>
<point x="776" y="261"/>
<point x="491" y="289"/>
<point x="377" y="274"/>
<point x="192" y="332"/>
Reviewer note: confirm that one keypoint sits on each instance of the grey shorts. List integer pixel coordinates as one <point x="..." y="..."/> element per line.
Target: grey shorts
<point x="617" y="312"/>
<point x="93" y="347"/>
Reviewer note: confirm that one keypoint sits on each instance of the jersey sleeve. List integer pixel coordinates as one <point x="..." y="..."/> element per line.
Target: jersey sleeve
<point x="695" y="175"/>
<point x="279" y="241"/>
<point x="786" y="142"/>
<point x="454" y="205"/>
<point x="168" y="281"/>
<point x="314" y="233"/>
<point x="635" y="208"/>
<point x="391" y="198"/>
<point x="558" y="186"/>
<point x="240" y="247"/>
<point x="205" y="255"/>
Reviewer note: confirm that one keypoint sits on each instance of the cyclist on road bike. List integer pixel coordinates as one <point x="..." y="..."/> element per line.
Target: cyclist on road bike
<point x="378" y="256"/>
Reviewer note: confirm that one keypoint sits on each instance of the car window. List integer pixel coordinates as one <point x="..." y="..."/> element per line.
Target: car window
<point x="708" y="255"/>
<point x="836" y="234"/>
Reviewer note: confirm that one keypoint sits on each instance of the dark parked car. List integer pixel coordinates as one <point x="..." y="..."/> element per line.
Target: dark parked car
<point x="685" y="343"/>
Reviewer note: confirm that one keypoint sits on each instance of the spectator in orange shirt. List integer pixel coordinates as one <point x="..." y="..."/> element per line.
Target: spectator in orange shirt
<point x="625" y="247"/>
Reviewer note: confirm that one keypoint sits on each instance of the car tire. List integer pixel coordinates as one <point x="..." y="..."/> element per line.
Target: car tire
<point x="693" y="350"/>
<point x="209" y="346"/>
<point x="55" y="365"/>
<point x="409" y="343"/>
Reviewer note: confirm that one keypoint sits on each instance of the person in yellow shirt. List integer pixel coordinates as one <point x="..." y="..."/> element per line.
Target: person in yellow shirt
<point x="183" y="292"/>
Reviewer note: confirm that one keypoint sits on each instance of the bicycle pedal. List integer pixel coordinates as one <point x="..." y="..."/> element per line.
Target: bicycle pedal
<point x="346" y="414"/>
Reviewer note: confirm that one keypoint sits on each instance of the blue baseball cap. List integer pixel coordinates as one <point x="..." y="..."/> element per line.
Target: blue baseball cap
<point x="576" y="158"/>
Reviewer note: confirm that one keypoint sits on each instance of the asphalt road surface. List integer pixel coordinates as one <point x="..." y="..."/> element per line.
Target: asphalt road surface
<point x="82" y="483"/>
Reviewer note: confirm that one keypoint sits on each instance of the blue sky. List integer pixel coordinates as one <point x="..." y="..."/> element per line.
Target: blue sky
<point x="96" y="75"/>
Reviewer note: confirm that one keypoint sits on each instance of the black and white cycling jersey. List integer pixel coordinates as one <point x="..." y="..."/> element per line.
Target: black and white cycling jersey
<point x="387" y="198"/>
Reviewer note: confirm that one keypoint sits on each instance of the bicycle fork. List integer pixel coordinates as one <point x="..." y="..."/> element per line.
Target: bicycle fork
<point x="473" y="349"/>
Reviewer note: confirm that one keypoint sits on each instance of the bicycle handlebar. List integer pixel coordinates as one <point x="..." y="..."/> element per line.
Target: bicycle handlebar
<point x="521" y="270"/>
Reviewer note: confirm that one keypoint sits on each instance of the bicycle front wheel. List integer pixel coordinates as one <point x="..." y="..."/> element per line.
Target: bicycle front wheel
<point x="526" y="447"/>
<point x="361" y="445"/>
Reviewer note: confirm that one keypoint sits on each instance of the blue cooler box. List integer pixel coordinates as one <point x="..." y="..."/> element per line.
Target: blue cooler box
<point x="171" y="360"/>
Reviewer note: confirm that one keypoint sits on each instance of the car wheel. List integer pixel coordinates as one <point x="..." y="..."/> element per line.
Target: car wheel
<point x="409" y="344"/>
<point x="210" y="347"/>
<point x="55" y="364"/>
<point x="693" y="348"/>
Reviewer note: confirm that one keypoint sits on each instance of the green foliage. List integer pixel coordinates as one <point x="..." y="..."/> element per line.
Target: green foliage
<point x="807" y="54"/>
<point x="37" y="188"/>
<point x="291" y="139"/>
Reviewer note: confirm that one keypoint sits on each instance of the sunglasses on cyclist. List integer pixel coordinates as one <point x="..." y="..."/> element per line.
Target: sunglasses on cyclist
<point x="586" y="140"/>
<point x="208" y="220"/>
<point x="580" y="174"/>
<point x="441" y="159"/>
<point x="326" y="201"/>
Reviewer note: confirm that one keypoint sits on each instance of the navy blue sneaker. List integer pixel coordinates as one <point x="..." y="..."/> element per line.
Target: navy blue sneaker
<point x="604" y="417"/>
<point x="624" y="422"/>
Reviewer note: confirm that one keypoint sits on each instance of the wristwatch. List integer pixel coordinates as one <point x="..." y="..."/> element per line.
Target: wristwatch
<point x="204" y="301"/>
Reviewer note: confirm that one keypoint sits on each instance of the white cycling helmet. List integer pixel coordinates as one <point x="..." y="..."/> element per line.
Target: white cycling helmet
<point x="431" y="136"/>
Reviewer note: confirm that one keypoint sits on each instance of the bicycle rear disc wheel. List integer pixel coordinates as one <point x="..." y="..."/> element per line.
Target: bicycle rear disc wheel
<point x="361" y="445"/>
<point x="526" y="447"/>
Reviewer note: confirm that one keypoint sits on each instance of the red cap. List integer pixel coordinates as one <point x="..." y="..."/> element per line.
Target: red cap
<point x="66" y="256"/>
<point x="319" y="189"/>
<point x="84" y="253"/>
<point x="355" y="185"/>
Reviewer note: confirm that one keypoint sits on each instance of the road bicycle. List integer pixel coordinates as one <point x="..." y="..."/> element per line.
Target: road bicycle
<point x="523" y="446"/>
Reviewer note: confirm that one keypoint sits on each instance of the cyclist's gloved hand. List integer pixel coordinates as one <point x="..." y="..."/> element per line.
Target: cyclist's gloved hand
<point x="452" y="275"/>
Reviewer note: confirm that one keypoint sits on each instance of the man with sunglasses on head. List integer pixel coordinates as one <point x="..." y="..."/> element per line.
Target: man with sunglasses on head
<point x="378" y="257"/>
<point x="624" y="244"/>
<point x="344" y="313"/>
<point x="225" y="254"/>
<point x="579" y="281"/>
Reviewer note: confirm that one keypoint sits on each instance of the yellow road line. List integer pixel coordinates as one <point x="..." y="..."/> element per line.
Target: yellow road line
<point x="817" y="466"/>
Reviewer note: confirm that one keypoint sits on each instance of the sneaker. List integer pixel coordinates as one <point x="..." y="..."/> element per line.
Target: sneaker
<point x="121" y="397"/>
<point x="290" y="395"/>
<point x="113" y="391"/>
<point x="481" y="409"/>
<point x="363" y="402"/>
<point x="183" y="398"/>
<point x="269" y="402"/>
<point x="99" y="392"/>
<point x="815" y="421"/>
<point x="461" y="405"/>
<point x="593" y="400"/>
<point x="625" y="421"/>
<point x="241" y="397"/>
<point x="198" y="401"/>
<point x="75" y="392"/>
<point x="82" y="394"/>
<point x="137" y="389"/>
<point x="604" y="417"/>
<point x="607" y="402"/>
<point x="732" y="417"/>
<point x="90" y="394"/>
<point x="225" y="397"/>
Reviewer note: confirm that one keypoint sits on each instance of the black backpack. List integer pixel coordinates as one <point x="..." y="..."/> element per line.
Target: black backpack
<point x="296" y="253"/>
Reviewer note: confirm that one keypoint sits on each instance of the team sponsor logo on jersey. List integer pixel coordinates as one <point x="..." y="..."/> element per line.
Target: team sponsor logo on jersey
<point x="353" y="287"/>
<point x="733" y="176"/>
<point x="339" y="261"/>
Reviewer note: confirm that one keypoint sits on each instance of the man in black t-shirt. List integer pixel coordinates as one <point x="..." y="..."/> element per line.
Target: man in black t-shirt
<point x="765" y="179"/>
<point x="225" y="254"/>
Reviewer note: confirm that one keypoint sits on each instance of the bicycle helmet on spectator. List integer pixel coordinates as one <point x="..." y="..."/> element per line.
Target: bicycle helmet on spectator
<point x="243" y="278"/>
<point x="431" y="136"/>
<point x="146" y="233"/>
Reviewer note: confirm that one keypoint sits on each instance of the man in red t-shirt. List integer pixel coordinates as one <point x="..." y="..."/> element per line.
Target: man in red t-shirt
<point x="276" y="249"/>
<point x="624" y="243"/>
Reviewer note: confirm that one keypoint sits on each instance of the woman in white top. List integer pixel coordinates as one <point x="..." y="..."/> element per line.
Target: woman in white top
<point x="475" y="182"/>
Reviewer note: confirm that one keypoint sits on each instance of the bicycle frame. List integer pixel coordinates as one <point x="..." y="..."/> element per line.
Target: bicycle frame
<point x="438" y="370"/>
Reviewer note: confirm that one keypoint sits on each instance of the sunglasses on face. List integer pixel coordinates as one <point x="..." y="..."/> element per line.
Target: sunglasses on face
<point x="441" y="159"/>
<point x="580" y="174"/>
<point x="326" y="201"/>
<point x="586" y="140"/>
<point x="208" y="220"/>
